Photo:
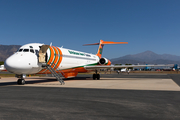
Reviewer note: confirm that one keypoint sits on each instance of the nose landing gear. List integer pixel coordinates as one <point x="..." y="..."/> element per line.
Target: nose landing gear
<point x="21" y="81"/>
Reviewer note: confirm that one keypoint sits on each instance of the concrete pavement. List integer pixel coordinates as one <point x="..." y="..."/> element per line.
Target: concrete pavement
<point x="122" y="98"/>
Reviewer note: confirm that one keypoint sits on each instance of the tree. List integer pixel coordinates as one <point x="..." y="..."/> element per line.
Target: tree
<point x="117" y="68"/>
<point x="1" y="62"/>
<point x="129" y="67"/>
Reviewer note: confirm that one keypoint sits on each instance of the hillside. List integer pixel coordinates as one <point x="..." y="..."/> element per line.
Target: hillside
<point x="147" y="57"/>
<point x="7" y="50"/>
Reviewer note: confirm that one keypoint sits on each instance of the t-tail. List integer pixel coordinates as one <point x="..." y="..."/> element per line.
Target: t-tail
<point x="102" y="43"/>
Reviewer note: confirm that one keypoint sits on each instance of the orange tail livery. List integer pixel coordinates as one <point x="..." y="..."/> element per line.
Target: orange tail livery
<point x="102" y="43"/>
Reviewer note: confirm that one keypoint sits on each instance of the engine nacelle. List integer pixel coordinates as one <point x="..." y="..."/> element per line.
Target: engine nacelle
<point x="104" y="61"/>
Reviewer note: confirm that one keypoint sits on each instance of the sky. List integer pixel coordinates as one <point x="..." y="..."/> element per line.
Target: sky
<point x="145" y="24"/>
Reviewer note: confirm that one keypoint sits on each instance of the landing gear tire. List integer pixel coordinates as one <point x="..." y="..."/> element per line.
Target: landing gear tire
<point x="96" y="76"/>
<point x="20" y="81"/>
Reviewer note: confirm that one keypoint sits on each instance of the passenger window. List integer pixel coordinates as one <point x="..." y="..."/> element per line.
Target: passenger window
<point x="26" y="50"/>
<point x="20" y="50"/>
<point x="31" y="50"/>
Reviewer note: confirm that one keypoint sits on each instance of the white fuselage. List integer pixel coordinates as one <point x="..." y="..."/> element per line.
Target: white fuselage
<point x="72" y="58"/>
<point x="25" y="60"/>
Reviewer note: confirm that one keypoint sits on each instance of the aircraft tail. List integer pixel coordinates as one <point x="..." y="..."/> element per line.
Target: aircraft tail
<point x="102" y="43"/>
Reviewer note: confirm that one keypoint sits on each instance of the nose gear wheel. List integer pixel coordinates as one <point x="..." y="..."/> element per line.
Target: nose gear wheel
<point x="20" y="81"/>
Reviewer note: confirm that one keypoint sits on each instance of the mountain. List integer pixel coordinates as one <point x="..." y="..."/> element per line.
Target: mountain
<point x="147" y="57"/>
<point x="7" y="50"/>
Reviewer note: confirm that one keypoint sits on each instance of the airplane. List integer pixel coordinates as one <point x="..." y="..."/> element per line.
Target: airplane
<point x="2" y="68"/>
<point x="125" y="70"/>
<point x="37" y="58"/>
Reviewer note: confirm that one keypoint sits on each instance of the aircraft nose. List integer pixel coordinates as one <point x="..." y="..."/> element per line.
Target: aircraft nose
<point x="17" y="64"/>
<point x="9" y="63"/>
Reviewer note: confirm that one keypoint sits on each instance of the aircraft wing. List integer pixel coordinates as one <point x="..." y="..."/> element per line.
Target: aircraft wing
<point x="123" y="66"/>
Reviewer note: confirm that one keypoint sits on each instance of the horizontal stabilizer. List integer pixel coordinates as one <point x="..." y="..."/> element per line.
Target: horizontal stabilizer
<point x="106" y="42"/>
<point x="109" y="42"/>
<point x="91" y="44"/>
<point x="102" y="43"/>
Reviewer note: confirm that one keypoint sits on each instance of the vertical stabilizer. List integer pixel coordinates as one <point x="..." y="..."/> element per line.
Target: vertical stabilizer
<point x="102" y="43"/>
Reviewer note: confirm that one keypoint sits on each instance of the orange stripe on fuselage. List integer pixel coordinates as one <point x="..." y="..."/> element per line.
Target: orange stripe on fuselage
<point x="52" y="56"/>
<point x="60" y="59"/>
<point x="51" y="59"/>
<point x="56" y="57"/>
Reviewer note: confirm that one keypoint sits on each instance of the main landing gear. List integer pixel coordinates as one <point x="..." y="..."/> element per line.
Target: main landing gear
<point x="21" y="81"/>
<point x="96" y="76"/>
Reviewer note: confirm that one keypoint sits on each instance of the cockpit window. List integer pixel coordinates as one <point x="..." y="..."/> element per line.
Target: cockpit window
<point x="26" y="50"/>
<point x="31" y="46"/>
<point x="20" y="50"/>
<point x="31" y="50"/>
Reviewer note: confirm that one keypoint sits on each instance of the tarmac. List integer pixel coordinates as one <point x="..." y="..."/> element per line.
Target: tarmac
<point x="114" y="96"/>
